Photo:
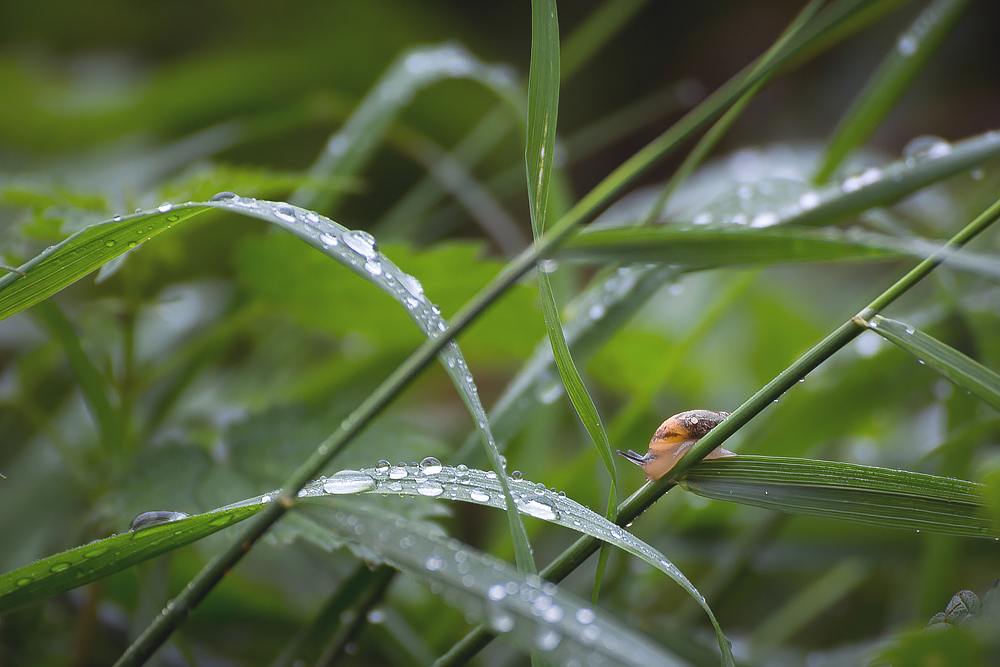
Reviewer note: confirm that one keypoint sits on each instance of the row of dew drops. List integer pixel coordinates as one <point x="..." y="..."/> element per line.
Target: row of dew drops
<point x="765" y="203"/>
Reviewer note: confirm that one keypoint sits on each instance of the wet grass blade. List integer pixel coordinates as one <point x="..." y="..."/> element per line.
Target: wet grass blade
<point x="68" y="570"/>
<point x="846" y="492"/>
<point x="83" y="252"/>
<point x="965" y="372"/>
<point x="543" y="109"/>
<point x="483" y="488"/>
<point x="350" y="148"/>
<point x="907" y="58"/>
<point x="696" y="248"/>
<point x="527" y="611"/>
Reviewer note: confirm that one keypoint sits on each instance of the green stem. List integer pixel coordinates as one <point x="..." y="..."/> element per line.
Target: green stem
<point x="650" y="492"/>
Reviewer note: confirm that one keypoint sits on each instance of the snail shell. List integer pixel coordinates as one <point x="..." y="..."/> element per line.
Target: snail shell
<point x="674" y="438"/>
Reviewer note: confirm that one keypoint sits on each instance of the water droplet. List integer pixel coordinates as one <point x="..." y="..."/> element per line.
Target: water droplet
<point x="373" y="267"/>
<point x="907" y="45"/>
<point x="540" y="508"/>
<point x="138" y="210"/>
<point x="765" y="219"/>
<point x="382" y="467"/>
<point x="59" y="567"/>
<point x="348" y="481"/>
<point x="376" y="616"/>
<point x="362" y="243"/>
<point x="976" y="174"/>
<point x="502" y="623"/>
<point x="809" y="200"/>
<point x="497" y="592"/>
<point x="702" y="218"/>
<point x="285" y="212"/>
<point x="328" y="240"/>
<point x="539" y="489"/>
<point x="110" y="243"/>
<point x="927" y="147"/>
<point x="397" y="472"/>
<point x="430" y="489"/>
<point x="132" y="244"/>
<point x="155" y="518"/>
<point x="548" y="265"/>
<point x="596" y="311"/>
<point x="549" y="393"/>
<point x="24" y="581"/>
<point x="222" y="196"/>
<point x="516" y="474"/>
<point x="117" y="218"/>
<point x="412" y="285"/>
<point x="548" y="640"/>
<point x="553" y="614"/>
<point x="164" y="207"/>
<point x="479" y="496"/>
<point x="430" y="466"/>
<point x="434" y="563"/>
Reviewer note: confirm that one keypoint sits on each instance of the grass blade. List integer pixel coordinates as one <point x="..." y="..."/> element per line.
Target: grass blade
<point x="908" y="57"/>
<point x="67" y="570"/>
<point x="965" y="372"/>
<point x="350" y="148"/>
<point x="83" y="252"/>
<point x="526" y="610"/>
<point x="696" y="248"/>
<point x="92" y="384"/>
<point x="847" y="492"/>
<point x="543" y="108"/>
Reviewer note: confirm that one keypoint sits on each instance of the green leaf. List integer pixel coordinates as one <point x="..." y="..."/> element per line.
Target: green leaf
<point x="76" y="567"/>
<point x="847" y="492"/>
<point x="483" y="488"/>
<point x="523" y="608"/>
<point x="543" y="108"/>
<point x="87" y="250"/>
<point x="967" y="373"/>
<point x="909" y="55"/>
<point x="92" y="384"/>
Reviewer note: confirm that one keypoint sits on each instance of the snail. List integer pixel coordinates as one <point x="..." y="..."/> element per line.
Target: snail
<point x="674" y="438"/>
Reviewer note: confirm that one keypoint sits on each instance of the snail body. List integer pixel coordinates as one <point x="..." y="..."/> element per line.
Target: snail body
<point x="674" y="438"/>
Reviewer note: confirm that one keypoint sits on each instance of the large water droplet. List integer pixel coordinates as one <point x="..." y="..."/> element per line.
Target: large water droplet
<point x="502" y="622"/>
<point x="382" y="467"/>
<point x="348" y="481"/>
<point x="585" y="616"/>
<point x="373" y="267"/>
<point x="397" y="472"/>
<point x="328" y="239"/>
<point x="430" y="489"/>
<point x="164" y="207"/>
<point x="222" y="196"/>
<point x="548" y="640"/>
<point x="155" y="518"/>
<point x="362" y="243"/>
<point x="434" y="563"/>
<point x="412" y="285"/>
<point x="540" y="508"/>
<point x="430" y="466"/>
<point x="479" y="496"/>
<point x="285" y="212"/>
